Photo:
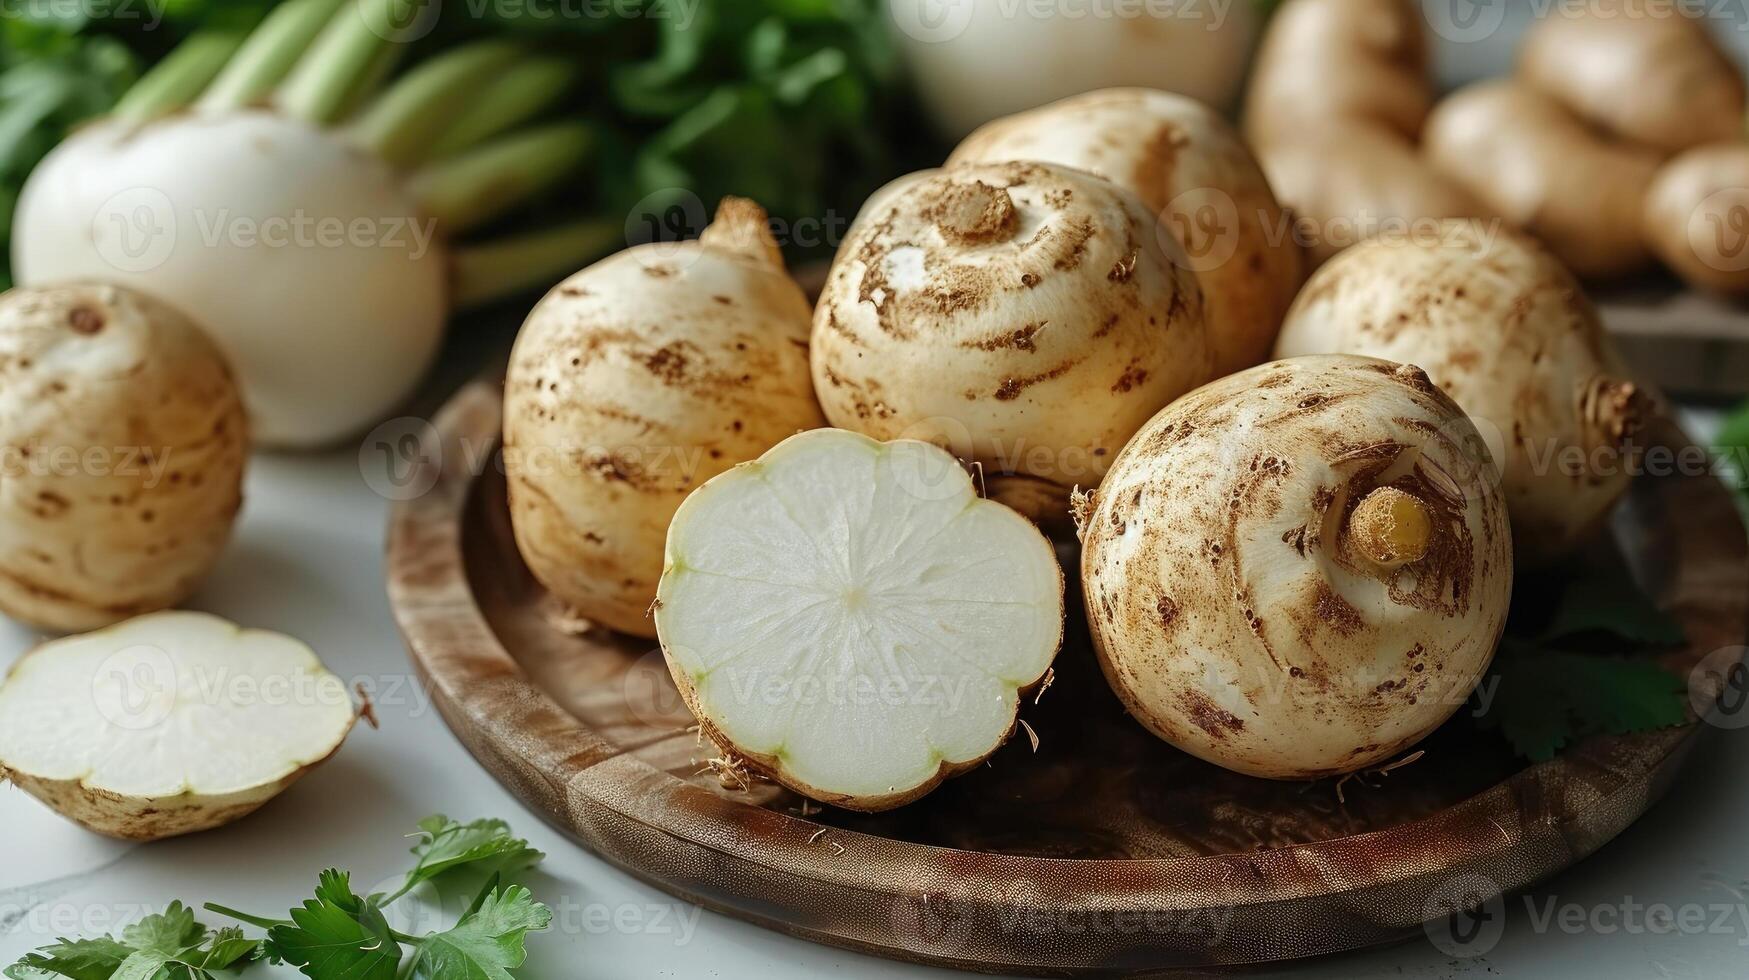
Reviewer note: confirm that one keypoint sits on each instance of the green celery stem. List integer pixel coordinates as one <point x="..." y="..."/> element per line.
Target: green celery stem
<point x="506" y="102"/>
<point x="402" y="124"/>
<point x="269" y="53"/>
<point x="536" y="260"/>
<point x="179" y="78"/>
<point x="341" y="61"/>
<point x="487" y="182"/>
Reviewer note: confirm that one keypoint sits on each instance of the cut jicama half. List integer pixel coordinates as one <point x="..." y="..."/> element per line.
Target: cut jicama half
<point x="167" y="724"/>
<point x="851" y="619"/>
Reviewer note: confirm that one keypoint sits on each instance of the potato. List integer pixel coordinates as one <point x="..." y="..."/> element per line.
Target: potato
<point x="1697" y="217"/>
<point x="1299" y="570"/>
<point x="1323" y="61"/>
<point x="1504" y="329"/>
<point x="636" y="380"/>
<point x="1653" y="76"/>
<point x="124" y="443"/>
<point x="1527" y="159"/>
<point x="1192" y="170"/>
<point x="1349" y="181"/>
<point x="1028" y="316"/>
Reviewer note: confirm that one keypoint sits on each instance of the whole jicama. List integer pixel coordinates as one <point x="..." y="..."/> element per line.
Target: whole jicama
<point x="633" y="382"/>
<point x="1504" y="329"/>
<point x="1028" y="316"/>
<point x="1299" y="570"/>
<point x="1193" y="171"/>
<point x="124" y="443"/>
<point x="309" y="227"/>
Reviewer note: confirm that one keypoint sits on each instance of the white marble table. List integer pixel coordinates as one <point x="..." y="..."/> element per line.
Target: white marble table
<point x="307" y="560"/>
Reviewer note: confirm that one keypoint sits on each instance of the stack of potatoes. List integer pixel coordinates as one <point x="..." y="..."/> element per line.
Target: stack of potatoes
<point x="1618" y="140"/>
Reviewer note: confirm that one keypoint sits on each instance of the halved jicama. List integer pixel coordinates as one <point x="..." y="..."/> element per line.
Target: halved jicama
<point x="851" y="619"/>
<point x="167" y="724"/>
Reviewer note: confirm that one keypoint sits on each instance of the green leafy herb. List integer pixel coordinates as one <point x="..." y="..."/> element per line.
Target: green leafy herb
<point x="167" y="946"/>
<point x="1547" y="699"/>
<point x="335" y="935"/>
<point x="487" y="942"/>
<point x="1543" y="694"/>
<point x="1733" y="442"/>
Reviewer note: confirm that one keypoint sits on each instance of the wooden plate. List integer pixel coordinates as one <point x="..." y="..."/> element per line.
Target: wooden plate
<point x="1103" y="851"/>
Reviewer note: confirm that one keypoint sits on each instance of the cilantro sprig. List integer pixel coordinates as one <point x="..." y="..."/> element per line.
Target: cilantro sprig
<point x="336" y="934"/>
<point x="1552" y="687"/>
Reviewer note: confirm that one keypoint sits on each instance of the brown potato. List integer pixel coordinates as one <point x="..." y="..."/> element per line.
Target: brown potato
<point x="1537" y="166"/>
<point x="1653" y="75"/>
<point x="1346" y="182"/>
<point x="1697" y="217"/>
<point x="1323" y="60"/>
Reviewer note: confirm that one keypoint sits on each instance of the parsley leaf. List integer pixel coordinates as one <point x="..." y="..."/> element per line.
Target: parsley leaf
<point x="487" y="943"/>
<point x="168" y="946"/>
<point x="485" y="846"/>
<point x="337" y="934"/>
<point x="76" y="959"/>
<point x="1545" y="699"/>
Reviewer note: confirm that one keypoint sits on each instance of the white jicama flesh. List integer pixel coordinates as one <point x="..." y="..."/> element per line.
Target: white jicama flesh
<point x="850" y="619"/>
<point x="167" y="724"/>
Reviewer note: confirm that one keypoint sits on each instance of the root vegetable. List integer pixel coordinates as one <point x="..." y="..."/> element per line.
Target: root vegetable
<point x="633" y="382"/>
<point x="1655" y="77"/>
<point x="312" y="241"/>
<point x="1029" y="316"/>
<point x="848" y="618"/>
<point x="985" y="58"/>
<point x="1324" y="61"/>
<point x="1500" y="326"/>
<point x="1697" y="217"/>
<point x="167" y="724"/>
<point x="1300" y="570"/>
<point x="1537" y="166"/>
<point x="1191" y="169"/>
<point x="1348" y="181"/>
<point x="125" y="445"/>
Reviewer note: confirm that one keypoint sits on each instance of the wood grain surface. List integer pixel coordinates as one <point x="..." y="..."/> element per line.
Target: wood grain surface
<point x="1104" y="851"/>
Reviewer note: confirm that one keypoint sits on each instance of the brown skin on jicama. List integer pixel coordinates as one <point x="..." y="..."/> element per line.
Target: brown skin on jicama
<point x="128" y="441"/>
<point x="1300" y="570"/>
<point x="1026" y="315"/>
<point x="1192" y="170"/>
<point x="632" y="383"/>
<point x="1507" y="332"/>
